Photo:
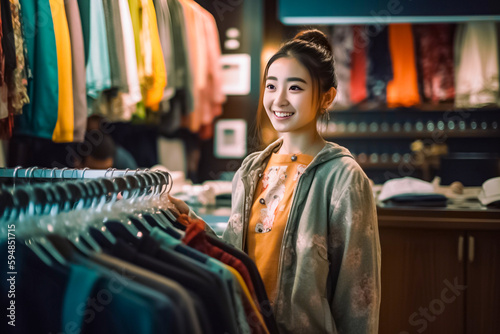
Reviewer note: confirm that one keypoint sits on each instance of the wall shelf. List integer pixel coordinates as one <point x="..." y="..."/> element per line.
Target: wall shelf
<point x="415" y="134"/>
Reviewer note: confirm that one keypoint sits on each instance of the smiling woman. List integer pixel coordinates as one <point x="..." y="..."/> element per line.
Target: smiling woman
<point x="303" y="209"/>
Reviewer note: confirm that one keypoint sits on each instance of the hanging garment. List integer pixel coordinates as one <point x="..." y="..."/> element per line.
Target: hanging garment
<point x="195" y="46"/>
<point x="358" y="66"/>
<point x="8" y="45"/>
<point x="403" y="89"/>
<point x="18" y="93"/>
<point x="476" y="65"/>
<point x="135" y="16"/>
<point x="4" y="105"/>
<point x="116" y="49"/>
<point x="195" y="237"/>
<point x="64" y="130"/>
<point x="84" y="8"/>
<point x="434" y="46"/>
<point x="142" y="270"/>
<point x="40" y="116"/>
<point x="203" y="40"/>
<point x="165" y="33"/>
<point x="264" y="304"/>
<point x="78" y="69"/>
<point x="212" y="92"/>
<point x="342" y="45"/>
<point x="167" y="243"/>
<point x="158" y="76"/>
<point x="183" y="101"/>
<point x="133" y="95"/>
<point x="379" y="63"/>
<point x="98" y="73"/>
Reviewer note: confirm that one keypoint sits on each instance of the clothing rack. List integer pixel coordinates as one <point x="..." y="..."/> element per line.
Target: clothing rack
<point x="80" y="241"/>
<point x="68" y="173"/>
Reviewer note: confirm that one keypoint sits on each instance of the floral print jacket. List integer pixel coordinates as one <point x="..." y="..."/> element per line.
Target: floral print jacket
<point x="329" y="265"/>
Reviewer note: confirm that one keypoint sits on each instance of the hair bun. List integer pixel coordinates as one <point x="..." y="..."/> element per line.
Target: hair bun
<point x="316" y="37"/>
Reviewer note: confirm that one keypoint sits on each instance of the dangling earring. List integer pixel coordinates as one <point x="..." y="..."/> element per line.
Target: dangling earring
<point x="326" y="115"/>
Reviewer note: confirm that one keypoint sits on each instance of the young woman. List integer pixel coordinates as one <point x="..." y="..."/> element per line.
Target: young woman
<point x="303" y="209"/>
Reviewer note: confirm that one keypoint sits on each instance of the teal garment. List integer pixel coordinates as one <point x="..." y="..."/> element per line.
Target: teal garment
<point x="231" y="290"/>
<point x="84" y="8"/>
<point x="330" y="255"/>
<point x="80" y="285"/>
<point x="39" y="117"/>
<point x="98" y="66"/>
<point x="146" y="310"/>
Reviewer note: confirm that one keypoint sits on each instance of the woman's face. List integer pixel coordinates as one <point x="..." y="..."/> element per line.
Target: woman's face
<point x="288" y="96"/>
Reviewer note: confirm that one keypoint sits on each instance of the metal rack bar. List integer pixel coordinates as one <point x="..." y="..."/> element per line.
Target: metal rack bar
<point x="65" y="173"/>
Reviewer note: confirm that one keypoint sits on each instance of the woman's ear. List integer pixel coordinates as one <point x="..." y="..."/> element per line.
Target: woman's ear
<point x="328" y="98"/>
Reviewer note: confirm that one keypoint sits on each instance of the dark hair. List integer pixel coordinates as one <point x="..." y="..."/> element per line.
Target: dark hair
<point x="312" y="49"/>
<point x="102" y="146"/>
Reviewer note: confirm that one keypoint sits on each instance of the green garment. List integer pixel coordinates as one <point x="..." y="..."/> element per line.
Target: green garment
<point x="98" y="66"/>
<point x="39" y="117"/>
<point x="84" y="8"/>
<point x="329" y="261"/>
<point x="116" y="49"/>
<point x="183" y="78"/>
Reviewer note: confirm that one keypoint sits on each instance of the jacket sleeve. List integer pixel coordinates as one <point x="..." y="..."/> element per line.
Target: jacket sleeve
<point x="354" y="244"/>
<point x="208" y="228"/>
<point x="235" y="206"/>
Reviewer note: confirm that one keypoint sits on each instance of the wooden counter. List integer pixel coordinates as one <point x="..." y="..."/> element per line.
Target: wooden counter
<point x="440" y="270"/>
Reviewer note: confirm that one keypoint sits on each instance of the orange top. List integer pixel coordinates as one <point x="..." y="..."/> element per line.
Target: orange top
<point x="270" y="209"/>
<point x="64" y="130"/>
<point x="403" y="89"/>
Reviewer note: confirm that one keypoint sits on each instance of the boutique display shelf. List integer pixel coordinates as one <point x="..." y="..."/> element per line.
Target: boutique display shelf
<point x="385" y="165"/>
<point x="479" y="133"/>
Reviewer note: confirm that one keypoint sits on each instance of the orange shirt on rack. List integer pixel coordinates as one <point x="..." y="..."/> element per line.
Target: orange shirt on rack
<point x="270" y="209"/>
<point x="403" y="89"/>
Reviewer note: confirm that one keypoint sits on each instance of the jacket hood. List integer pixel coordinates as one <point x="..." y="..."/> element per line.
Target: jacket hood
<point x="329" y="152"/>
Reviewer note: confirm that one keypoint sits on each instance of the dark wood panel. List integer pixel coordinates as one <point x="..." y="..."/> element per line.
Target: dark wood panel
<point x="483" y="283"/>
<point x="420" y="269"/>
<point x="438" y="218"/>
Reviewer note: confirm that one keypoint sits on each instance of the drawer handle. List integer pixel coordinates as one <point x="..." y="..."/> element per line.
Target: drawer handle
<point x="471" y="249"/>
<point x="460" y="248"/>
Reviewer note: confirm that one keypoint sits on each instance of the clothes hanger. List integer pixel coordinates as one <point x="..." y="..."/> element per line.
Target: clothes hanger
<point x="148" y="211"/>
<point x="162" y="207"/>
<point x="99" y="201"/>
<point x="36" y="240"/>
<point x="116" y="219"/>
<point x="69" y="218"/>
<point x="135" y="187"/>
<point x="153" y="215"/>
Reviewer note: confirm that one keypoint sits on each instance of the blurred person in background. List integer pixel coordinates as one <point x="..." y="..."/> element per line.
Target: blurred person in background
<point x="122" y="159"/>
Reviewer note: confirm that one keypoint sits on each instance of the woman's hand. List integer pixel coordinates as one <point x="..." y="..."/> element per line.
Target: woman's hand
<point x="180" y="205"/>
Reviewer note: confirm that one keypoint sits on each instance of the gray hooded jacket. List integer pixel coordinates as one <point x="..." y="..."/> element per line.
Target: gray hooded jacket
<point x="329" y="261"/>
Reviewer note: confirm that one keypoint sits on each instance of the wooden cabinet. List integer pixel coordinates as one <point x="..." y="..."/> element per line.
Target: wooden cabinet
<point x="439" y="274"/>
<point x="482" y="308"/>
<point x="418" y="266"/>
